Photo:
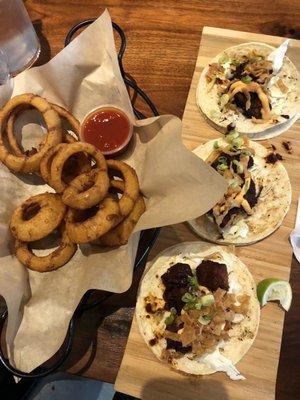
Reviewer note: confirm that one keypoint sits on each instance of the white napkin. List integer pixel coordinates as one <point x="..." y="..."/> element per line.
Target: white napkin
<point x="295" y="235"/>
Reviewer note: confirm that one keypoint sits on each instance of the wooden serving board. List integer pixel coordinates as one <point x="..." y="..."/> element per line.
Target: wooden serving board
<point x="141" y="374"/>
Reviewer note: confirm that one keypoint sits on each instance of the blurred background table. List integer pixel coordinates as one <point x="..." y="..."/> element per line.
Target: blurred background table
<point x="162" y="45"/>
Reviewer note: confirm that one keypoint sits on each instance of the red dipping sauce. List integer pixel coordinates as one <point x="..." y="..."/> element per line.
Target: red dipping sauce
<point x="108" y="129"/>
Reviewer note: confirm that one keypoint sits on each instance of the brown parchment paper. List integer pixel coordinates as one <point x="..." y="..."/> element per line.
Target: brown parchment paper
<point x="177" y="186"/>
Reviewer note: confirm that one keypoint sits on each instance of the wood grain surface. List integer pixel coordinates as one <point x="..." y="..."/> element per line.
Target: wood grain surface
<point x="162" y="45"/>
<point x="141" y="374"/>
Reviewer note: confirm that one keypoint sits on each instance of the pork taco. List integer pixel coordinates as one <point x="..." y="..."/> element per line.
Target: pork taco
<point x="197" y="309"/>
<point x="258" y="195"/>
<point x="252" y="86"/>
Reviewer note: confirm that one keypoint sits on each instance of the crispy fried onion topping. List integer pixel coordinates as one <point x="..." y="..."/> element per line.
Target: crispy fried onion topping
<point x="203" y="329"/>
<point x="261" y="70"/>
<point x="234" y="165"/>
<point x="214" y="71"/>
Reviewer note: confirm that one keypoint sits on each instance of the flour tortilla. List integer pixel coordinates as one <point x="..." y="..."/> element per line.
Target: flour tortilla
<point x="208" y="100"/>
<point x="234" y="349"/>
<point x="271" y="208"/>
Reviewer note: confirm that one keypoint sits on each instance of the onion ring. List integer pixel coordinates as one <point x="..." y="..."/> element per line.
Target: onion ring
<point x="101" y="179"/>
<point x="82" y="192"/>
<point x="119" y="235"/>
<point x="66" y="115"/>
<point x="106" y="217"/>
<point x="31" y="163"/>
<point x="131" y="185"/>
<point x="50" y="262"/>
<point x="48" y="211"/>
<point x="62" y="112"/>
<point x="74" y="166"/>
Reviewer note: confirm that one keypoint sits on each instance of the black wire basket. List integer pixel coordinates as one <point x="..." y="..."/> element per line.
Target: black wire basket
<point x="147" y="237"/>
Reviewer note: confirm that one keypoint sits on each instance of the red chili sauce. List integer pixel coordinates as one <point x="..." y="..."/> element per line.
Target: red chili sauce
<point x="107" y="129"/>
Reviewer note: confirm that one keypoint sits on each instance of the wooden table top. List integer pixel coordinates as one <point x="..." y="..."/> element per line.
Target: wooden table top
<point x="162" y="46"/>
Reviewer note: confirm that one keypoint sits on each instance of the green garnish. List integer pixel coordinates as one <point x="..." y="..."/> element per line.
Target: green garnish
<point x="170" y="319"/>
<point x="192" y="280"/>
<point x="189" y="298"/>
<point x="246" y="153"/>
<point x="222" y="167"/>
<point x="223" y="59"/>
<point x="216" y="145"/>
<point x="205" y="319"/>
<point x="246" y="79"/>
<point x="198" y="306"/>
<point x="222" y="160"/>
<point x="231" y="136"/>
<point x="233" y="182"/>
<point x="239" y="166"/>
<point x="237" y="143"/>
<point x="207" y="300"/>
<point x="236" y="63"/>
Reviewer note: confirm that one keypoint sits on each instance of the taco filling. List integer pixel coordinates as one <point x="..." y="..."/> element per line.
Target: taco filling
<point x="244" y="85"/>
<point x="234" y="162"/>
<point x="201" y="308"/>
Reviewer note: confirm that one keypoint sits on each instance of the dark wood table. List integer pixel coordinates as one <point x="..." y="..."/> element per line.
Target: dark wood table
<point x="163" y="39"/>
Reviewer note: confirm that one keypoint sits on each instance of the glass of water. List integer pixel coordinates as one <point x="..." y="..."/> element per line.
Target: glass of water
<point x="18" y="39"/>
<point x="6" y="81"/>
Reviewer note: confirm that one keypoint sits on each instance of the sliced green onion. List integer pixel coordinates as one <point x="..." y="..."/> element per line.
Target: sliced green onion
<point x="223" y="59"/>
<point x="207" y="300"/>
<point x="188" y="298"/>
<point x="233" y="182"/>
<point x="222" y="160"/>
<point x="239" y="166"/>
<point x="170" y="319"/>
<point x="216" y="145"/>
<point x="192" y="280"/>
<point x="246" y="79"/>
<point x="173" y="310"/>
<point x="246" y="152"/>
<point x="222" y="167"/>
<point x="237" y="142"/>
<point x="198" y="306"/>
<point x="236" y="63"/>
<point x="231" y="136"/>
<point x="205" y="319"/>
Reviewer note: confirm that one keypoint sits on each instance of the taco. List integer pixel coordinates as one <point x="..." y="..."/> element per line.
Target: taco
<point x="258" y="195"/>
<point x="248" y="87"/>
<point x="197" y="309"/>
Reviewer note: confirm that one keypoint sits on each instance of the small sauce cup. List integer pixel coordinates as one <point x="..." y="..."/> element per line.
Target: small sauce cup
<point x="108" y="128"/>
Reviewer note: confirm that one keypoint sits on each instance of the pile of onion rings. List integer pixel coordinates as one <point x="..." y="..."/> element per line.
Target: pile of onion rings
<point x="95" y="200"/>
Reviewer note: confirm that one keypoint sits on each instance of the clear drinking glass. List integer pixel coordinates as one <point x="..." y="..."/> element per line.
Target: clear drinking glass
<point x="6" y="82"/>
<point x="18" y="39"/>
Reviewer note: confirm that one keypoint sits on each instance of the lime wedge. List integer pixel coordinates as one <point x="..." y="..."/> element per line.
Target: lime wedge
<point x="274" y="289"/>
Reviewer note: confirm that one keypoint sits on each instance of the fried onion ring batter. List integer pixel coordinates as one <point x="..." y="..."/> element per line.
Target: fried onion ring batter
<point x="62" y="112"/>
<point x="29" y="163"/>
<point x="37" y="217"/>
<point x="101" y="184"/>
<point x="119" y="235"/>
<point x="74" y="166"/>
<point x="82" y="192"/>
<point x="107" y="216"/>
<point x="131" y="185"/>
<point x="50" y="262"/>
